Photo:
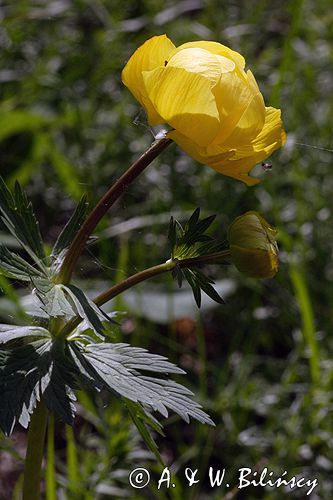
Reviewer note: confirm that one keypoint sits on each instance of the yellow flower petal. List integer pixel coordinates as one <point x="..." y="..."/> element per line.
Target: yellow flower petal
<point x="215" y="48"/>
<point x="199" y="154"/>
<point x="152" y="54"/>
<point x="249" y="125"/>
<point x="200" y="61"/>
<point x="272" y="136"/>
<point x="216" y="109"/>
<point x="185" y="101"/>
<point x="238" y="162"/>
<point x="241" y="108"/>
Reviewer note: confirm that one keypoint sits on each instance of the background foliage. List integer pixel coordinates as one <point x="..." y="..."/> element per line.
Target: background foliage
<point x="261" y="364"/>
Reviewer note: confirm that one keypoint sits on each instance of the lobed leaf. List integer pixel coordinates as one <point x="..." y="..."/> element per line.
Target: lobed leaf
<point x="117" y="365"/>
<point x="53" y="298"/>
<point x="69" y="231"/>
<point x="14" y="266"/>
<point x="19" y="218"/>
<point x="19" y="383"/>
<point x="14" y="332"/>
<point x="29" y="372"/>
<point x="88" y="310"/>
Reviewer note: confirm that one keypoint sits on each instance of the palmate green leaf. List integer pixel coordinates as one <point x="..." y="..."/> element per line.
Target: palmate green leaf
<point x="59" y="383"/>
<point x="210" y="246"/>
<point x="83" y="367"/>
<point x="19" y="380"/>
<point x="53" y="298"/>
<point x="54" y="369"/>
<point x="88" y="310"/>
<point x="41" y="368"/>
<point x="60" y="300"/>
<point x="14" y="332"/>
<point x="142" y="419"/>
<point x="69" y="231"/>
<point x="15" y="267"/>
<point x="118" y="367"/>
<point x="18" y="216"/>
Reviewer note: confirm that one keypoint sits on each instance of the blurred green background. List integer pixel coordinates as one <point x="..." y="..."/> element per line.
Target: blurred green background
<point x="261" y="365"/>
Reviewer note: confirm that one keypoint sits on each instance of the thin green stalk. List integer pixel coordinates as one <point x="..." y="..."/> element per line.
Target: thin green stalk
<point x="151" y="272"/>
<point x="202" y="351"/>
<point x="157" y="270"/>
<point x="297" y="276"/>
<point x="72" y="460"/>
<point x="110" y="197"/>
<point x="51" y="487"/>
<point x="34" y="455"/>
<point x="119" y="288"/>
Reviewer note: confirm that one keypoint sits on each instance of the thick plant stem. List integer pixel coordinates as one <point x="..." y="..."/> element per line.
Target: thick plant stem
<point x="103" y="206"/>
<point x="151" y="272"/>
<point x="34" y="455"/>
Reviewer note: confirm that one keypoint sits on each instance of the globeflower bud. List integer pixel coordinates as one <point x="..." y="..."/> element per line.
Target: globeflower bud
<point x="214" y="106"/>
<point x="253" y="247"/>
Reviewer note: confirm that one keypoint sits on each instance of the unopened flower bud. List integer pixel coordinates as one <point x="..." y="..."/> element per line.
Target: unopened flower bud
<point x="253" y="247"/>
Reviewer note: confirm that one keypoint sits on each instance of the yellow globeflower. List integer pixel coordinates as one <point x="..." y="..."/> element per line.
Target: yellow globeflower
<point x="253" y="247"/>
<point x="215" y="108"/>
